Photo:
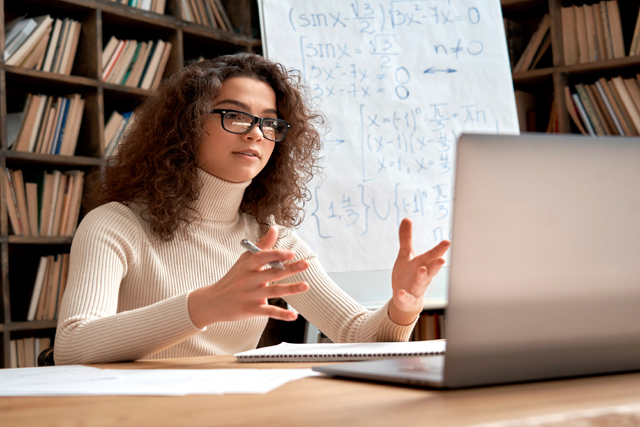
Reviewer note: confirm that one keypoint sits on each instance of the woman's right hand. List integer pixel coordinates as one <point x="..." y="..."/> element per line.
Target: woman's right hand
<point x="243" y="292"/>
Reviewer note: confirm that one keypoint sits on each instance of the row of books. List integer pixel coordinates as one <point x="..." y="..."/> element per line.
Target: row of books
<point x="42" y="43"/>
<point x="47" y="124"/>
<point x="592" y="32"/>
<point x="133" y="63"/>
<point x="48" y="288"/>
<point x="210" y="13"/>
<point x="430" y="326"/>
<point x="606" y="107"/>
<point x="156" y="6"/>
<point x="43" y="203"/>
<point x="114" y="129"/>
<point x="24" y="351"/>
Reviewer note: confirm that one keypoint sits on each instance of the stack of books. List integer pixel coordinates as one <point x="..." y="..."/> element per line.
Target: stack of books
<point x="114" y="129"/>
<point x="43" y="203"/>
<point x="592" y="32"/>
<point x="606" y="107"/>
<point x="47" y="125"/>
<point x="156" y="6"/>
<point x="42" y="43"/>
<point x="210" y="13"/>
<point x="133" y="63"/>
<point x="24" y="351"/>
<point x="51" y="280"/>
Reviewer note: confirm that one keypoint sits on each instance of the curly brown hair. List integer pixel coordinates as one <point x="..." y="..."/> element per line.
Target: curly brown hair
<point x="156" y="162"/>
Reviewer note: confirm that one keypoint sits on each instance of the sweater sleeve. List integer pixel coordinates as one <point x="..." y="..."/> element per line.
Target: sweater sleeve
<point x="332" y="310"/>
<point x="90" y="328"/>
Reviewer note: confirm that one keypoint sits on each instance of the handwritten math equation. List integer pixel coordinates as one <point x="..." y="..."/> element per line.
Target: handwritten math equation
<point x="394" y="78"/>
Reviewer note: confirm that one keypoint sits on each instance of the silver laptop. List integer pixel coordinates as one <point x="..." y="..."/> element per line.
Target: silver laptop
<point x="545" y="265"/>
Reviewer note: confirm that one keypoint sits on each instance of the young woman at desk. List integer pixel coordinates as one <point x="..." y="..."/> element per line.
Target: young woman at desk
<point x="220" y="152"/>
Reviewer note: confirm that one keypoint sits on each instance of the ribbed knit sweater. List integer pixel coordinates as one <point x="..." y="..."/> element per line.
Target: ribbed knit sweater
<point x="126" y="295"/>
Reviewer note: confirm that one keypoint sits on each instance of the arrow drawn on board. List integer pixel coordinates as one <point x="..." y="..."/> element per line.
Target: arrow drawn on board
<point x="336" y="141"/>
<point x="432" y="70"/>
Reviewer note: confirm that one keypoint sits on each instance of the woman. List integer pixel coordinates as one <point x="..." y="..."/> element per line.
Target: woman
<point x="221" y="151"/>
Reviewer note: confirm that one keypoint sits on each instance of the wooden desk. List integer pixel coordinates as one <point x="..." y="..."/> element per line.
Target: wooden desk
<point x="320" y="402"/>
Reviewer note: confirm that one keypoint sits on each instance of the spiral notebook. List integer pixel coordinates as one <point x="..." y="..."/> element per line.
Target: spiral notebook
<point x="287" y="352"/>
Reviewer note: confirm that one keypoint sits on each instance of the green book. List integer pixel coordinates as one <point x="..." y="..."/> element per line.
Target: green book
<point x="598" y="127"/>
<point x="133" y="62"/>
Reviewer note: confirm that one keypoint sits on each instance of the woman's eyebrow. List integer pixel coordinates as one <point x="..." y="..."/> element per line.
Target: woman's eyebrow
<point x="245" y="106"/>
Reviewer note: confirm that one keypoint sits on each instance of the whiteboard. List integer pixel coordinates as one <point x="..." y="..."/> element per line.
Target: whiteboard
<point x="398" y="81"/>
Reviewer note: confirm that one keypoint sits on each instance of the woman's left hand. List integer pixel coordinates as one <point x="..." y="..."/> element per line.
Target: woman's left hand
<point x="411" y="276"/>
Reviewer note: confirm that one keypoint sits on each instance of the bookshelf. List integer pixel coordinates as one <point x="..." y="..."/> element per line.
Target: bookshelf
<point x="100" y="20"/>
<point x="547" y="81"/>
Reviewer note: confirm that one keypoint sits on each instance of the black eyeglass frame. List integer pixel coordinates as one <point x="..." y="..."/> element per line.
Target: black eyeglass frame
<point x="255" y="120"/>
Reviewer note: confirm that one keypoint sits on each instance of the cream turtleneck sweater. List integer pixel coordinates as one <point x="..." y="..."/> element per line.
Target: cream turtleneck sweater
<point x="126" y="295"/>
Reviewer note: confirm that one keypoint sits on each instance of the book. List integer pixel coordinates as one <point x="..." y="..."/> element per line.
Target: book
<point x="583" y="114"/>
<point x="601" y="40"/>
<point x="35" y="57"/>
<point x="21" y="198"/>
<point x="43" y="24"/>
<point x="571" y="109"/>
<point x="589" y="109"/>
<point x="136" y="72"/>
<point x="627" y="101"/>
<point x="615" y="25"/>
<point x="228" y="25"/>
<point x="612" y="106"/>
<point x="607" y="30"/>
<point x="590" y="29"/>
<point x="152" y="67"/>
<point x="32" y="110"/>
<point x="17" y="35"/>
<point x="286" y="352"/>
<point x="569" y="40"/>
<point x="635" y="39"/>
<point x="601" y="109"/>
<point x="37" y="288"/>
<point x="51" y="48"/>
<point x="634" y="91"/>
<point x="31" y="190"/>
<point x="69" y="53"/>
<point x="112" y="61"/>
<point x="11" y="204"/>
<point x="628" y="124"/>
<point x="108" y="50"/>
<point x="581" y="34"/>
<point x="163" y="64"/>
<point x="534" y="45"/>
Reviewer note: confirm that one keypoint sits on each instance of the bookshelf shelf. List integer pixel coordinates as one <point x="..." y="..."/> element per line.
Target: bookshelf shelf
<point x="28" y="326"/>
<point x="99" y="20"/>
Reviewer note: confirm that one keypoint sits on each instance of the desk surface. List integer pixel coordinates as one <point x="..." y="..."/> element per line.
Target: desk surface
<point x="320" y="401"/>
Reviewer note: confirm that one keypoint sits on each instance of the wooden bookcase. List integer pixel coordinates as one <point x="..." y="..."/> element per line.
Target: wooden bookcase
<point x="549" y="81"/>
<point x="100" y="20"/>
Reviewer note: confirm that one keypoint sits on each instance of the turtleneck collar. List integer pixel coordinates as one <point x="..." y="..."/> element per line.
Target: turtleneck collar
<point x="219" y="199"/>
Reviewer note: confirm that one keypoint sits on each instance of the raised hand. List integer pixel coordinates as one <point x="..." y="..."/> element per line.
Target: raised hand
<point x="243" y="292"/>
<point x="411" y="275"/>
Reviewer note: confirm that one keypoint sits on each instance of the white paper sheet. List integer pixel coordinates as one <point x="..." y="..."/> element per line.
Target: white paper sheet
<point x="84" y="381"/>
<point x="398" y="80"/>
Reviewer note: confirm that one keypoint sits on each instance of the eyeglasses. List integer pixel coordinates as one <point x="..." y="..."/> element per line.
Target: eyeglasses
<point x="239" y="122"/>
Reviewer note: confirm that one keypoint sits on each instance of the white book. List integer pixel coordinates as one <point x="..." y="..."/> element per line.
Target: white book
<point x="37" y="289"/>
<point x="44" y="23"/>
<point x="53" y="42"/>
<point x="144" y="4"/>
<point x="286" y="352"/>
<point x="23" y="29"/>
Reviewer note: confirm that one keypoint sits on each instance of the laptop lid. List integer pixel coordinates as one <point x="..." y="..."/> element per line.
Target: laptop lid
<point x="545" y="259"/>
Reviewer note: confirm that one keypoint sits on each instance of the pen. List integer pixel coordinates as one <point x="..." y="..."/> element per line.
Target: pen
<point x="254" y="250"/>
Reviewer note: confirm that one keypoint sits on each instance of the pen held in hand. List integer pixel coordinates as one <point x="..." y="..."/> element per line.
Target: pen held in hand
<point x="254" y="250"/>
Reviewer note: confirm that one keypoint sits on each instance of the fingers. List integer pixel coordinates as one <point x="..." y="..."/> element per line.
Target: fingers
<point x="283" y="290"/>
<point x="278" y="313"/>
<point x="406" y="239"/>
<point x="436" y="252"/>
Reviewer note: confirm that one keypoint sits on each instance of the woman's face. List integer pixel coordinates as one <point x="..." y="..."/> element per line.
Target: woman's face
<point x="233" y="157"/>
